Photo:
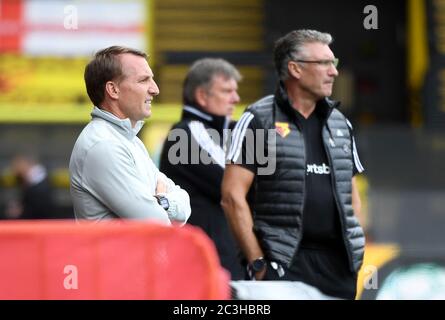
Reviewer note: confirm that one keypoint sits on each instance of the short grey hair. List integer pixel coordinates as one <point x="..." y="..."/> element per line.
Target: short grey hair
<point x="290" y="47"/>
<point x="202" y="73"/>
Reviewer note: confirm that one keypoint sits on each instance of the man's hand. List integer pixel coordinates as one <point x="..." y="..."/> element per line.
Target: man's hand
<point x="14" y="210"/>
<point x="161" y="186"/>
<point x="261" y="274"/>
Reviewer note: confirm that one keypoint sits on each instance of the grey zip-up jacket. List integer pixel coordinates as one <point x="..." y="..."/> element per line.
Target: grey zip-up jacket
<point x="112" y="175"/>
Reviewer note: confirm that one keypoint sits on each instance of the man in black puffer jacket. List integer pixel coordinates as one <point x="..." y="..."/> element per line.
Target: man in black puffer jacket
<point x="194" y="152"/>
<point x="296" y="154"/>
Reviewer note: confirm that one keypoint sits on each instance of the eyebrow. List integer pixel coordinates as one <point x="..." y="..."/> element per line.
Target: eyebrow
<point x="146" y="77"/>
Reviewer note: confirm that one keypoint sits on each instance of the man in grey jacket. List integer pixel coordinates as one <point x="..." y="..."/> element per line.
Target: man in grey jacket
<point x="111" y="173"/>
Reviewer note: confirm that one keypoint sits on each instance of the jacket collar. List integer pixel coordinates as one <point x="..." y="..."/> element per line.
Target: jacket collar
<point x="324" y="106"/>
<point x="195" y="113"/>
<point x="123" y="125"/>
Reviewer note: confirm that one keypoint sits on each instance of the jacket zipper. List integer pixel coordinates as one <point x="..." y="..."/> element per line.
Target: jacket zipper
<point x="334" y="191"/>
<point x="304" y="196"/>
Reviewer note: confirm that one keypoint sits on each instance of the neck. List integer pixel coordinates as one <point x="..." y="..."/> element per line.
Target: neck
<point x="115" y="110"/>
<point x="300" y="100"/>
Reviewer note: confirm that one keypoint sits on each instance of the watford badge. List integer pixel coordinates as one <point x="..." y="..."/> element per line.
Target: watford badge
<point x="282" y="128"/>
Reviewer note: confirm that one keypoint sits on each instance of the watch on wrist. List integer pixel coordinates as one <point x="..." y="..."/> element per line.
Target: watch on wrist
<point x="163" y="201"/>
<point x="256" y="266"/>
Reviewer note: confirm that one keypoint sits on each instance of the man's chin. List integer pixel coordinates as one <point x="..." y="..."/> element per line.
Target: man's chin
<point x="327" y="93"/>
<point x="147" y="113"/>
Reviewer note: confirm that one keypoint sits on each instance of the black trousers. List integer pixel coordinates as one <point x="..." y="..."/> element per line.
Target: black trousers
<point x="325" y="269"/>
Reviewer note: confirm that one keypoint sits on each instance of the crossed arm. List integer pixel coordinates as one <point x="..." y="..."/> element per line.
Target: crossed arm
<point x="117" y="184"/>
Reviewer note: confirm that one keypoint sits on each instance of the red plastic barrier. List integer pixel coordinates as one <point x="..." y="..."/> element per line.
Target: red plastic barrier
<point x="125" y="260"/>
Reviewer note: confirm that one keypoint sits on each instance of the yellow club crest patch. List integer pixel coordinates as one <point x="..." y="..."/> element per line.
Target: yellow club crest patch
<point x="282" y="128"/>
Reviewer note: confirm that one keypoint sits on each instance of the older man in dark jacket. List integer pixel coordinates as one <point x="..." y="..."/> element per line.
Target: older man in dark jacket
<point x="194" y="152"/>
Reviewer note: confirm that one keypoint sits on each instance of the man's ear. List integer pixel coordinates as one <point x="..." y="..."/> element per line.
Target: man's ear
<point x="112" y="90"/>
<point x="201" y="96"/>
<point x="294" y="69"/>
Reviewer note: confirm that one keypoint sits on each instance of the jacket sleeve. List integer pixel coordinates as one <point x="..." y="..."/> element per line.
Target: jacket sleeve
<point x="243" y="143"/>
<point x="109" y="174"/>
<point x="179" y="201"/>
<point x="184" y="165"/>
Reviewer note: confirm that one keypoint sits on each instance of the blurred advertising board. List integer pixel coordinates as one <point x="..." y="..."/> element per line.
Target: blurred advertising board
<point x="45" y="44"/>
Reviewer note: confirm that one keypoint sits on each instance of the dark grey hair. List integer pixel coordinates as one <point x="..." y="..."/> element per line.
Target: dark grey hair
<point x="290" y="47"/>
<point x="202" y="73"/>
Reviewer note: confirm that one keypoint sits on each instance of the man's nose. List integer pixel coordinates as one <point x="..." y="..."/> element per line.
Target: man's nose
<point x="333" y="70"/>
<point x="236" y="97"/>
<point x="153" y="89"/>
